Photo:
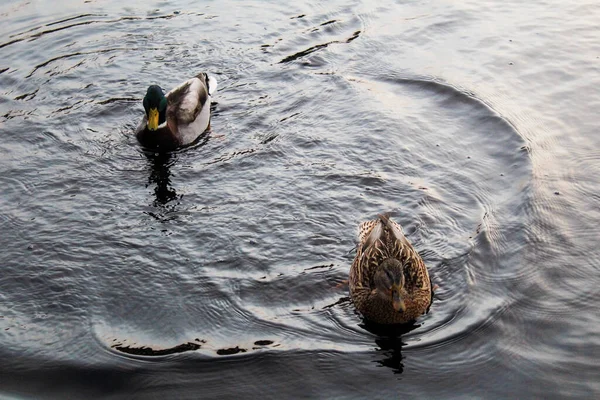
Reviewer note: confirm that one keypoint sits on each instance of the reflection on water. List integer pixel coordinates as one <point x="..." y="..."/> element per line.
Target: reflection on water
<point x="391" y="348"/>
<point x="160" y="175"/>
<point x="389" y="343"/>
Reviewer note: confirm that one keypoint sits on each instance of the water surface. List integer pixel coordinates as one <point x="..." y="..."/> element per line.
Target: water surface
<point x="217" y="271"/>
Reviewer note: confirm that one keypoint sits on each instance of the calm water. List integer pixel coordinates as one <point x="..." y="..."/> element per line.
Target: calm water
<point x="475" y="123"/>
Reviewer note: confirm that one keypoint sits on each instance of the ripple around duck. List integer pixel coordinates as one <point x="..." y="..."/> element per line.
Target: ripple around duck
<point x="473" y="265"/>
<point x="583" y="172"/>
<point x="566" y="247"/>
<point x="475" y="278"/>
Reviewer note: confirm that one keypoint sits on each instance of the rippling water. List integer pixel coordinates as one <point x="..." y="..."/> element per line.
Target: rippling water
<point x="217" y="271"/>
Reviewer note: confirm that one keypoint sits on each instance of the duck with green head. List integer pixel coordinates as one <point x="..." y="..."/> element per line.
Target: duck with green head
<point x="389" y="282"/>
<point x="179" y="117"/>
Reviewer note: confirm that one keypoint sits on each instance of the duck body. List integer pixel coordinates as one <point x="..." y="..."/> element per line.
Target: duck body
<point x="389" y="282"/>
<point x="179" y="117"/>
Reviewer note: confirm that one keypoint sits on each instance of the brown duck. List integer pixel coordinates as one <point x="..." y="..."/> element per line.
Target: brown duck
<point x="389" y="283"/>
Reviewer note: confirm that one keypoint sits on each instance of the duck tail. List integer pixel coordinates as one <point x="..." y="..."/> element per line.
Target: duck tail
<point x="211" y="83"/>
<point x="391" y="225"/>
<point x="384" y="218"/>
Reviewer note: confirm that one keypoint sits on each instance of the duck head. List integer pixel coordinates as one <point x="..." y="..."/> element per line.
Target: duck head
<point x="155" y="104"/>
<point x="389" y="281"/>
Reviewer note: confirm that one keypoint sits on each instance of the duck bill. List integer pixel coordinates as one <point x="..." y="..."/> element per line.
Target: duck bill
<point x="397" y="301"/>
<point x="153" y="119"/>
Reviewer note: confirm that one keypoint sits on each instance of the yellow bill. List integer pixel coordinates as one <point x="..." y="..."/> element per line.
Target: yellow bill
<point x="153" y="119"/>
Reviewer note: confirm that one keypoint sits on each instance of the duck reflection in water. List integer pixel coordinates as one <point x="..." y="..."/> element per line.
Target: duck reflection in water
<point x="160" y="174"/>
<point x="389" y="343"/>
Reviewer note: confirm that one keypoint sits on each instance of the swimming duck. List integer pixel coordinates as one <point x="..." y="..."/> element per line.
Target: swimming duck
<point x="178" y="118"/>
<point x="389" y="282"/>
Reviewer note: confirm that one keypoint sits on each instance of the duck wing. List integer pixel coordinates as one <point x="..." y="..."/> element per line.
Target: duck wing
<point x="415" y="271"/>
<point x="384" y="236"/>
<point x="187" y="100"/>
<point x="369" y="254"/>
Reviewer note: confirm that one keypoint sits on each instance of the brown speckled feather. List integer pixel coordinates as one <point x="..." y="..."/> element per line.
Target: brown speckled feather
<point x="381" y="239"/>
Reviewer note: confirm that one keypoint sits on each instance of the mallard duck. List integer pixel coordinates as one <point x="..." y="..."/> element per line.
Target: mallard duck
<point x="389" y="283"/>
<point x="178" y="118"/>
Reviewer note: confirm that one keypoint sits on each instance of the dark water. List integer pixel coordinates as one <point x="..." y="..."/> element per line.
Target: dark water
<point x="217" y="271"/>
